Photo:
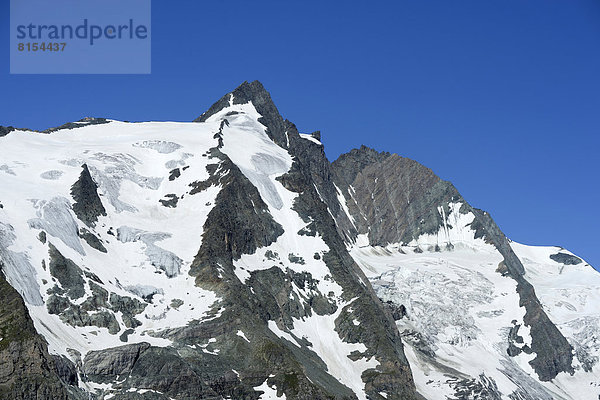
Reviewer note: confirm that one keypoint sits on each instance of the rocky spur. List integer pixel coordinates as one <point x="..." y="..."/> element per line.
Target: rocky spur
<point x="84" y="31"/>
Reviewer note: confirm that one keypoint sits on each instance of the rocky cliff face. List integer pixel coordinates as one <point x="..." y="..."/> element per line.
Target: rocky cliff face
<point x="227" y="258"/>
<point x="27" y="370"/>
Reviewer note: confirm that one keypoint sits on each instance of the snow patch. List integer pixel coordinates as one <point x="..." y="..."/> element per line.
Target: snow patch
<point x="242" y="335"/>
<point x="269" y="393"/>
<point x="310" y="137"/>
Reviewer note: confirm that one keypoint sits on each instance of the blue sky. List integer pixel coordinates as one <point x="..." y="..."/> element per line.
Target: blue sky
<point x="500" y="97"/>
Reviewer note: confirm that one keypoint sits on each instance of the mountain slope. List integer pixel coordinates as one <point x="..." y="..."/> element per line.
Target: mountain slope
<point x="468" y="290"/>
<point x="227" y="258"/>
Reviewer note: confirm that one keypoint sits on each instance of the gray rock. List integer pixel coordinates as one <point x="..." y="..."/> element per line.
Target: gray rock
<point x="67" y="273"/>
<point x="392" y="199"/>
<point x="171" y="201"/>
<point x="129" y="307"/>
<point x="92" y="240"/>
<point x="96" y="310"/>
<point x="5" y="130"/>
<point x="88" y="206"/>
<point x="174" y="174"/>
<point x="66" y="370"/>
<point x="27" y="371"/>
<point x="101" y="366"/>
<point x="296" y="259"/>
<point x="566" y="259"/>
<point x="396" y="311"/>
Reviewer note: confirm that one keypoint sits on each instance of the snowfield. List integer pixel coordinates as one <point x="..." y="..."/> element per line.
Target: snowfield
<point x="149" y="246"/>
<point x="460" y="311"/>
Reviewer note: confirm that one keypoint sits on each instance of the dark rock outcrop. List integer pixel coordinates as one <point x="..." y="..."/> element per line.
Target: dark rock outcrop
<point x="104" y="366"/>
<point x="92" y="240"/>
<point x="396" y="311"/>
<point x="27" y="371"/>
<point x="88" y="206"/>
<point x="5" y="130"/>
<point x="174" y="174"/>
<point x="170" y="201"/>
<point x="553" y="352"/>
<point x="97" y="309"/>
<point x="311" y="157"/>
<point x="566" y="259"/>
<point x="68" y="274"/>
<point x="66" y="370"/>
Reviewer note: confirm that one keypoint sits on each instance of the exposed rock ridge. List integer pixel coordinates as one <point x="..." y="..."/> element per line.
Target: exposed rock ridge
<point x="317" y="167"/>
<point x="553" y="352"/>
<point x="5" y="130"/>
<point x="87" y="121"/>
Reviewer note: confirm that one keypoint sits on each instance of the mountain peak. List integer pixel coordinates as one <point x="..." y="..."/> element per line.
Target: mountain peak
<point x="248" y="91"/>
<point x="255" y="93"/>
<point x="252" y="91"/>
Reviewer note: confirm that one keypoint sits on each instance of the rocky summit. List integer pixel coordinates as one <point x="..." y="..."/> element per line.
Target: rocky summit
<point x="228" y="258"/>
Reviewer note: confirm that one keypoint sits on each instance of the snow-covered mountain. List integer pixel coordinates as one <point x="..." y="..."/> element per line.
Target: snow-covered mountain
<point x="227" y="258"/>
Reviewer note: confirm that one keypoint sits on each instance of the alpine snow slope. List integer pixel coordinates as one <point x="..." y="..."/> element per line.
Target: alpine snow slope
<point x="227" y="258"/>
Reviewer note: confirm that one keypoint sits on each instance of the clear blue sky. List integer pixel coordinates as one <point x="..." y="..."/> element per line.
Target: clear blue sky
<point x="500" y="97"/>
